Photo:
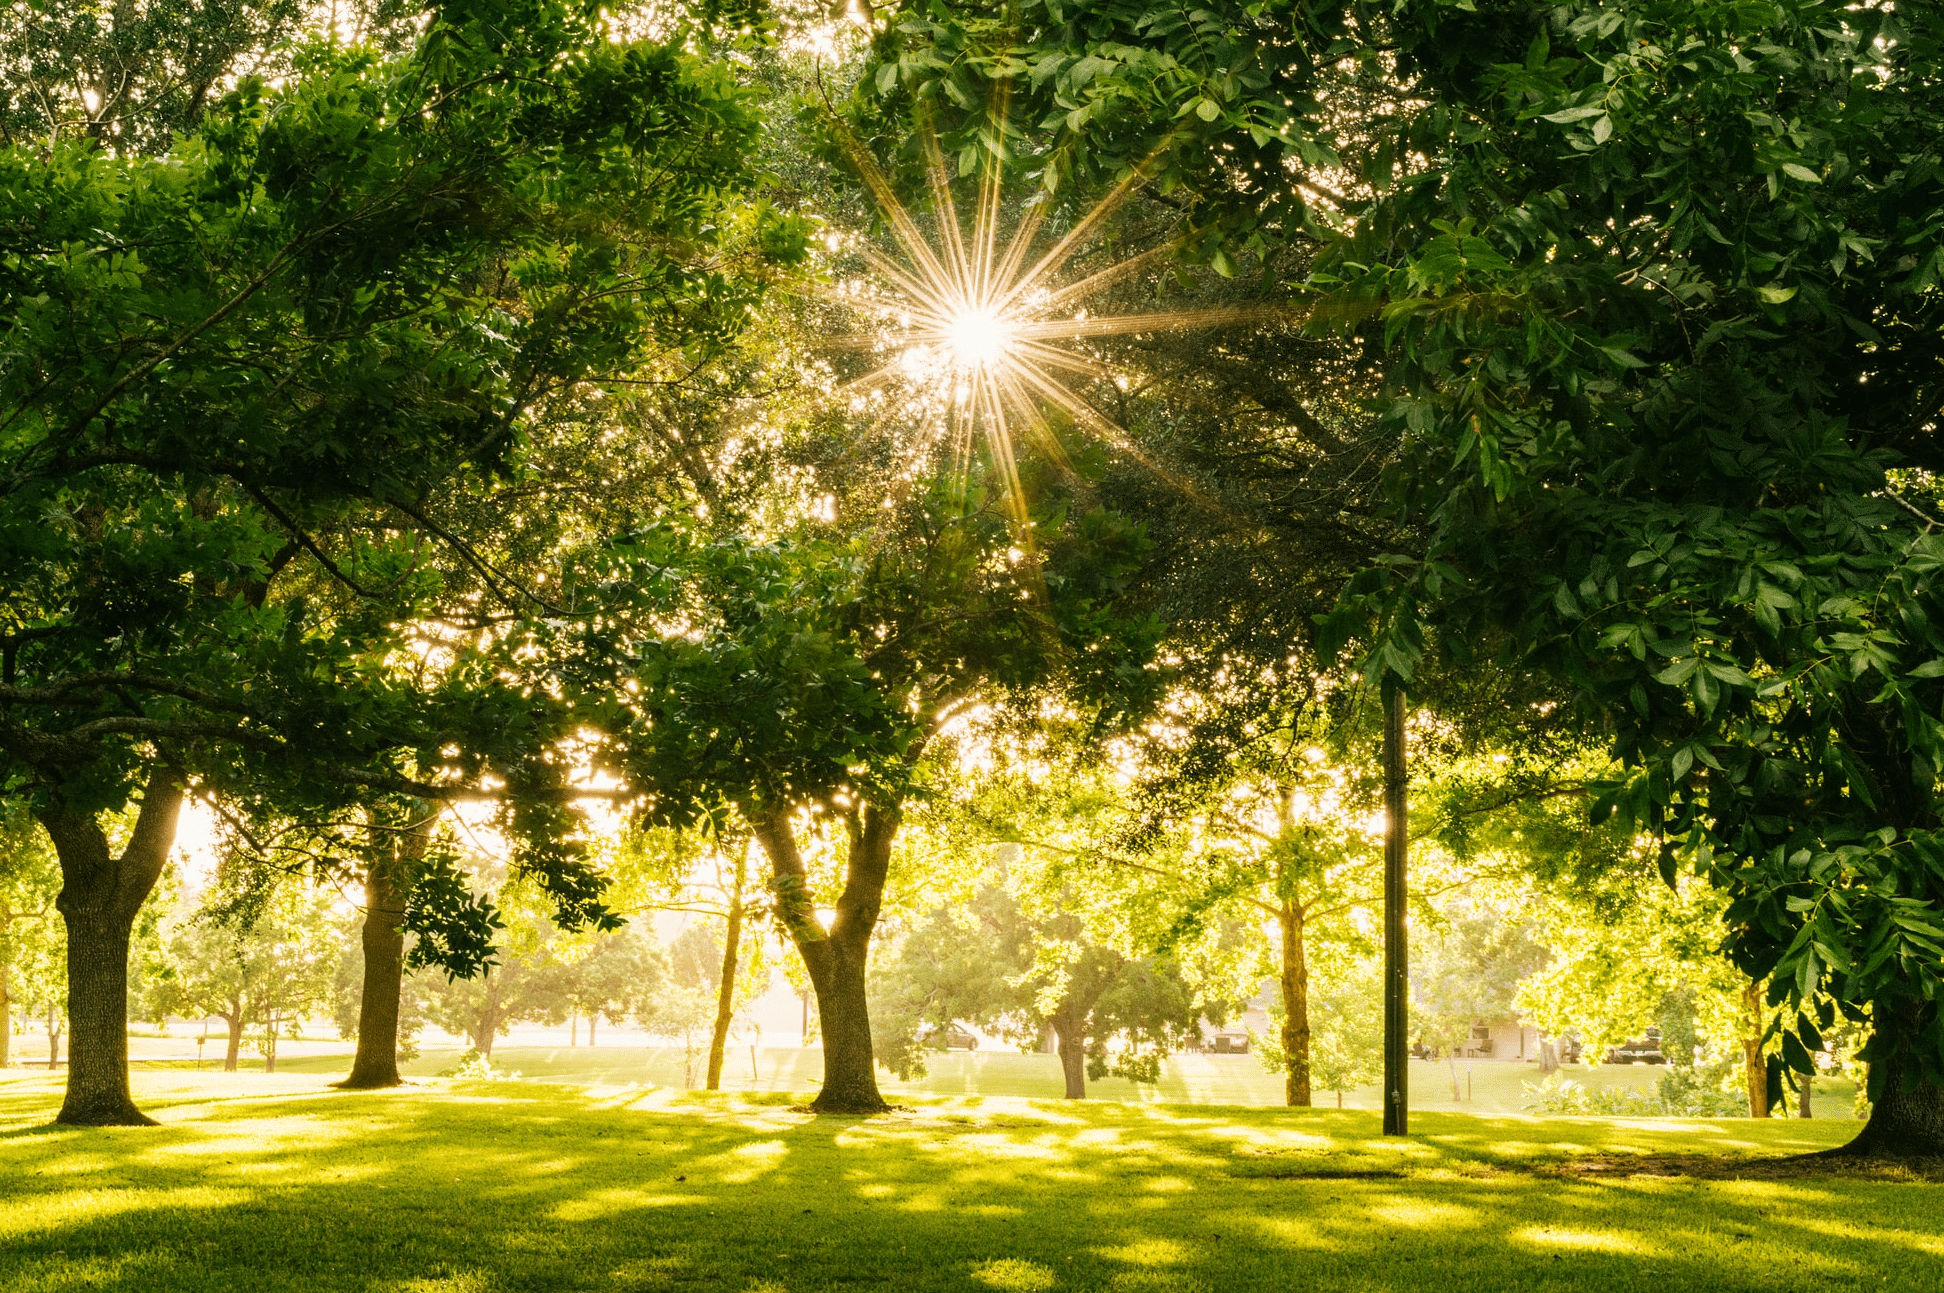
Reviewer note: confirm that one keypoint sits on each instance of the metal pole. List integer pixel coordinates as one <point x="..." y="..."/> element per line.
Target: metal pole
<point x="1397" y="979"/>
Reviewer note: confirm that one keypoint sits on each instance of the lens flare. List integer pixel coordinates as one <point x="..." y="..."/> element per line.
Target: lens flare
<point x="979" y="326"/>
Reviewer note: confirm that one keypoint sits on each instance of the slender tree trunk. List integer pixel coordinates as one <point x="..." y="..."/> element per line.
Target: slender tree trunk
<point x="53" y="1037"/>
<point x="835" y="959"/>
<point x="231" y="1056"/>
<point x="100" y="897"/>
<point x="6" y="1018"/>
<point x="383" y="939"/>
<point x="1071" y="1031"/>
<point x="573" y="1028"/>
<point x="1804" y="1106"/>
<point x="726" y="991"/>
<point x="1295" y="990"/>
<point x="270" y="1046"/>
<point x="1396" y="1091"/>
<point x="593" y="1017"/>
<point x="1754" y="1067"/>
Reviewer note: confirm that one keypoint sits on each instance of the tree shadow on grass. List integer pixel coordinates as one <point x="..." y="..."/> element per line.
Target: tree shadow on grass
<point x="509" y="1187"/>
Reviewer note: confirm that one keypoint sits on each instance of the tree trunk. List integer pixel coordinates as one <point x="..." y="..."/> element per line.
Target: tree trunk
<point x="573" y="1028"/>
<point x="835" y="959"/>
<point x="6" y="1018"/>
<point x="235" y="1025"/>
<point x="270" y="1047"/>
<point x="1396" y="1091"/>
<point x="1295" y="990"/>
<point x="1073" y="1053"/>
<point x="53" y="1038"/>
<point x="593" y="1018"/>
<point x="100" y="897"/>
<point x="1804" y="1107"/>
<point x="1907" y="1118"/>
<point x="726" y="990"/>
<point x="1755" y="1069"/>
<point x="489" y="1019"/>
<point x="383" y="938"/>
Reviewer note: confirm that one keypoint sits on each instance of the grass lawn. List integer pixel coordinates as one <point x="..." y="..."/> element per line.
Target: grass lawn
<point x="275" y="1182"/>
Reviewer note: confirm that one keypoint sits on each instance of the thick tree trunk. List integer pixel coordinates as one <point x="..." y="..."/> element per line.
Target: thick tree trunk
<point x="231" y="1055"/>
<point x="383" y="938"/>
<point x="1907" y="1118"/>
<point x="1754" y="1067"/>
<point x="836" y="958"/>
<point x="726" y="990"/>
<point x="1073" y="1054"/>
<point x="1295" y="990"/>
<point x="100" y="897"/>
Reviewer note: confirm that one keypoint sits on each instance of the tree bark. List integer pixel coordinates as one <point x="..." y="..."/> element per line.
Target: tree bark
<point x="835" y="958"/>
<point x="6" y="1015"/>
<point x="100" y="897"/>
<point x="235" y="1025"/>
<point x="726" y="991"/>
<point x="1296" y="1025"/>
<point x="383" y="938"/>
<point x="1755" y="1069"/>
<point x="1071" y="1031"/>
<point x="593" y="1018"/>
<point x="1907" y="1118"/>
<point x="53" y="1038"/>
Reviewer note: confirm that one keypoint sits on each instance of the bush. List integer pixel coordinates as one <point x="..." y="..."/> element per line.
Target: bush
<point x="474" y="1067"/>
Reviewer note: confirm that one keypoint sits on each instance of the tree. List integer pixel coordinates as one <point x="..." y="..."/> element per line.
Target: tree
<point x="818" y="672"/>
<point x="1020" y="968"/>
<point x="27" y="887"/>
<point x="1687" y="424"/>
<point x="265" y="959"/>
<point x="245" y="431"/>
<point x="610" y="975"/>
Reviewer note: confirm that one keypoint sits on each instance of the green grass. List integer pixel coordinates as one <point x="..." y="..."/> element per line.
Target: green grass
<point x="274" y="1182"/>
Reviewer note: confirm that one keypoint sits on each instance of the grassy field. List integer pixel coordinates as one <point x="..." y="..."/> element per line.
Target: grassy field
<point x="1487" y="1088"/>
<point x="273" y="1182"/>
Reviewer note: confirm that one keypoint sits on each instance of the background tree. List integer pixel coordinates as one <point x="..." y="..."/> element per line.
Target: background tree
<point x="265" y="959"/>
<point x="220" y="601"/>
<point x="28" y="883"/>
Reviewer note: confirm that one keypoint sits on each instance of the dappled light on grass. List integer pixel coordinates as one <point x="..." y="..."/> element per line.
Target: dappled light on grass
<point x="518" y="1186"/>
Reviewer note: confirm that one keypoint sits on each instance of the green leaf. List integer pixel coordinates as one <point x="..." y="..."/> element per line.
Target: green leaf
<point x="1775" y="295"/>
<point x="1568" y="116"/>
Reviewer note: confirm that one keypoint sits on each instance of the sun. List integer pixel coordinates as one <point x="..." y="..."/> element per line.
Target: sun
<point x="978" y="338"/>
<point x="974" y="326"/>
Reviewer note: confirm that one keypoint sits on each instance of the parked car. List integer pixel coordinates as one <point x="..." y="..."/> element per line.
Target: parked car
<point x="1229" y="1043"/>
<point x="950" y="1039"/>
<point x="1641" y="1050"/>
